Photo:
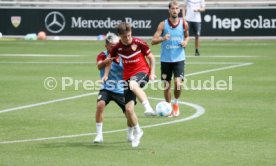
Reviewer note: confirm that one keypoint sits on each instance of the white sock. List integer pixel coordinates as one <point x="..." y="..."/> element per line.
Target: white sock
<point x="99" y="128"/>
<point x="130" y="130"/>
<point x="175" y="101"/>
<point x="137" y="128"/>
<point x="146" y="104"/>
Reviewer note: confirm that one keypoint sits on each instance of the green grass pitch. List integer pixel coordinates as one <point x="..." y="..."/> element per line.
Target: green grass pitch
<point x="57" y="127"/>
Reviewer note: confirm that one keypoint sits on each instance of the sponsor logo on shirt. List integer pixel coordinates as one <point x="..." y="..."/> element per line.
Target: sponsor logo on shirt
<point x="132" y="60"/>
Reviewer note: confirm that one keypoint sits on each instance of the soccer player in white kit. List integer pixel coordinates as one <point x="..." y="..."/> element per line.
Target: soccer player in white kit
<point x="192" y="13"/>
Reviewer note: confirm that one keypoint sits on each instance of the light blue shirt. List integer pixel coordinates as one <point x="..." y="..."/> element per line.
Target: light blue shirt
<point x="114" y="82"/>
<point x="171" y="49"/>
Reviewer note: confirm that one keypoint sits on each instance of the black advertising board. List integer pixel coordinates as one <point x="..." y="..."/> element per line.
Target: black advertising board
<point x="93" y="22"/>
<point x="78" y="22"/>
<point x="239" y="22"/>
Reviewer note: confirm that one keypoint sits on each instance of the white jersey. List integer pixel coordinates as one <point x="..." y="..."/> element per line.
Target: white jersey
<point x="192" y="5"/>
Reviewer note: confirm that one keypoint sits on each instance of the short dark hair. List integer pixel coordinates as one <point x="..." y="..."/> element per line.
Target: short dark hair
<point x="123" y="28"/>
<point x="174" y="2"/>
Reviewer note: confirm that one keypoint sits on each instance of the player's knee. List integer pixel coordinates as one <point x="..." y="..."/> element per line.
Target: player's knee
<point x="129" y="107"/>
<point x="178" y="83"/>
<point x="101" y="105"/>
<point x="177" y="80"/>
<point x="133" y="84"/>
<point x="167" y="85"/>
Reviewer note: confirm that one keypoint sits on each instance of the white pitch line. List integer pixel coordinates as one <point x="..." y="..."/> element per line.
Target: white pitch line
<point x="222" y="56"/>
<point x="215" y="63"/>
<point x="70" y="63"/>
<point x="47" y="102"/>
<point x="47" y="138"/>
<point x="39" y="55"/>
<point x="199" y="111"/>
<point x="213" y="70"/>
<point x="218" y="69"/>
<point x="48" y="63"/>
<point x="236" y="44"/>
<point x="197" y="114"/>
<point x="88" y="94"/>
<point x="216" y="56"/>
<point x="72" y="55"/>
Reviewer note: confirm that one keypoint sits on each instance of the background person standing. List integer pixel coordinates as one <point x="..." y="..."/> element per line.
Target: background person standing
<point x="192" y="13"/>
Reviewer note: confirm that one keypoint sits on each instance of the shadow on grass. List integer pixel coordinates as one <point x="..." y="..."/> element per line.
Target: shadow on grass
<point x="107" y="145"/>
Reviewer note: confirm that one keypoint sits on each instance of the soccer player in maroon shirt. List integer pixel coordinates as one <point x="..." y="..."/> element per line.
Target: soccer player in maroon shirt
<point x="112" y="89"/>
<point x="137" y="73"/>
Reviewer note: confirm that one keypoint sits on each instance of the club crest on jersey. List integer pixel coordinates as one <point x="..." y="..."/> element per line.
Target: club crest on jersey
<point x="15" y="20"/>
<point x="133" y="47"/>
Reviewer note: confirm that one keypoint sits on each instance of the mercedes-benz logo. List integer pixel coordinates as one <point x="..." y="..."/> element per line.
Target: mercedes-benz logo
<point x="54" y="22"/>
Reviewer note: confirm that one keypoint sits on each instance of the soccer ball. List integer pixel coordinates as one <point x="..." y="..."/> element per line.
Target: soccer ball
<point x="163" y="108"/>
<point x="41" y="35"/>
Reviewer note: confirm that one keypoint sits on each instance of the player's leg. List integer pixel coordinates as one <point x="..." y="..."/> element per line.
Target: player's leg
<point x="100" y="109"/>
<point x="197" y="34"/>
<point x="177" y="87"/>
<point x="177" y="93"/>
<point x="178" y="79"/>
<point x="167" y="91"/>
<point x="130" y="130"/>
<point x="103" y="100"/>
<point x="136" y="83"/>
<point x="120" y="101"/>
<point x="130" y="100"/>
<point x="193" y="30"/>
<point x="166" y="76"/>
<point x="135" y="88"/>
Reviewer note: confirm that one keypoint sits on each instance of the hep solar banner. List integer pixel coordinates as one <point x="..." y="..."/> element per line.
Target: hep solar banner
<point x="93" y="22"/>
<point x="239" y="22"/>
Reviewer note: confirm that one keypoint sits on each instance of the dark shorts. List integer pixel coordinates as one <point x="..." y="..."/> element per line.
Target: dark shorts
<point x="195" y="28"/>
<point x="142" y="79"/>
<point x="169" y="68"/>
<point x="108" y="96"/>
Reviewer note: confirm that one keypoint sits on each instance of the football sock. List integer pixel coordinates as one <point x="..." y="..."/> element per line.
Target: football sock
<point x="137" y="128"/>
<point x="175" y="101"/>
<point x="99" y="128"/>
<point x="130" y="130"/>
<point x="146" y="104"/>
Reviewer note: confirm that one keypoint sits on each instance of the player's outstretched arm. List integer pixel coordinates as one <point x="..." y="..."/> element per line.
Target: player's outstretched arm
<point x="107" y="68"/>
<point x="103" y="63"/>
<point x="106" y="72"/>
